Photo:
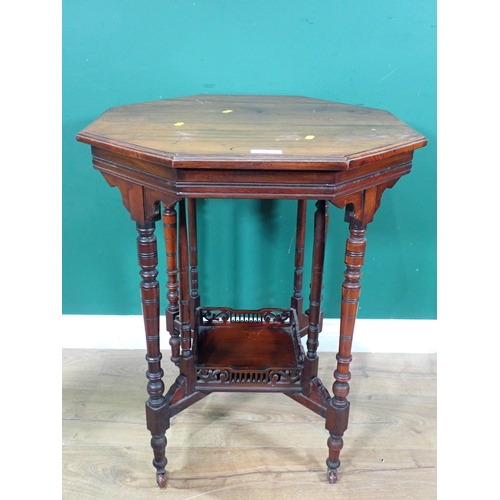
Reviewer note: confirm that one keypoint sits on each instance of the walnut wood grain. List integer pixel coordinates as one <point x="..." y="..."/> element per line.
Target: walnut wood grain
<point x="208" y="131"/>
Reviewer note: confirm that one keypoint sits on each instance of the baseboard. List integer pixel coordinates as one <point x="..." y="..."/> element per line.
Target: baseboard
<point x="370" y="335"/>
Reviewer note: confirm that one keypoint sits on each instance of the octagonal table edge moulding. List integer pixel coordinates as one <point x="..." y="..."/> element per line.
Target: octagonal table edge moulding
<point x="272" y="154"/>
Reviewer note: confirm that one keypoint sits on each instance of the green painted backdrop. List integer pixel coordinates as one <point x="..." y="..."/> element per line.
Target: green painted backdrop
<point x="380" y="54"/>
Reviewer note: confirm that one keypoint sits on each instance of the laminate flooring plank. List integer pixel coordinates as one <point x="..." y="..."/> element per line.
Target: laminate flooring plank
<point x="82" y="367"/>
<point x="232" y="446"/>
<point x="373" y="421"/>
<point x="124" y="472"/>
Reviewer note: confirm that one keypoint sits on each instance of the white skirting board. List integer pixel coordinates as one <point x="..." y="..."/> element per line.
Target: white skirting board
<point x="370" y="335"/>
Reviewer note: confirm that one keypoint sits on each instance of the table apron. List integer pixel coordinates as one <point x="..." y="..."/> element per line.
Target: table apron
<point x="325" y="186"/>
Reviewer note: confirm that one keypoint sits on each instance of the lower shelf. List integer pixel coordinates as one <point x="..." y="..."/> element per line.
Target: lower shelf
<point x="248" y="350"/>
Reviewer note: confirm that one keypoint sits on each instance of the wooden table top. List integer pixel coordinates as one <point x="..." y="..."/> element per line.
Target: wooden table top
<point x="223" y="131"/>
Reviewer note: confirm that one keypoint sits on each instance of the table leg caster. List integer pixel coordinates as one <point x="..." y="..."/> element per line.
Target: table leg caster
<point x="161" y="479"/>
<point x="331" y="475"/>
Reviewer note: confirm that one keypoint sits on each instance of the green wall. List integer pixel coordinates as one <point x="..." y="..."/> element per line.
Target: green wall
<point x="380" y="54"/>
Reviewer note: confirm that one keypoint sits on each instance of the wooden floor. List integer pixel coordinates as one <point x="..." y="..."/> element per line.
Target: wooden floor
<point x="266" y="447"/>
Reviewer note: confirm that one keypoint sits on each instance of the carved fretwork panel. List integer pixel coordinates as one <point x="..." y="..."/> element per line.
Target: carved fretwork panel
<point x="217" y="316"/>
<point x="229" y="376"/>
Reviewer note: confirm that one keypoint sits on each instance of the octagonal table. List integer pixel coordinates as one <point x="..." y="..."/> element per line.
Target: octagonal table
<point x="162" y="153"/>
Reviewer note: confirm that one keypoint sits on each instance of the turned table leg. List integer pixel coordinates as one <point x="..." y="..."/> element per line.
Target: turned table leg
<point x="184" y="289"/>
<point x="193" y="257"/>
<point x="297" y="300"/>
<point x="316" y="280"/>
<point x="156" y="407"/>
<point x="310" y="371"/>
<point x="170" y="234"/>
<point x="338" y="409"/>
